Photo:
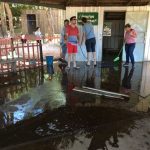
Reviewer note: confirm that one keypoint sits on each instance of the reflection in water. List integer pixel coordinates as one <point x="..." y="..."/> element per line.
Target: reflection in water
<point x="72" y="120"/>
<point x="44" y="95"/>
<point x="50" y="71"/>
<point x="145" y="80"/>
<point x="92" y="127"/>
<point x="143" y="105"/>
<point x="126" y="82"/>
<point x="90" y="78"/>
<point x="110" y="79"/>
<point x="30" y="97"/>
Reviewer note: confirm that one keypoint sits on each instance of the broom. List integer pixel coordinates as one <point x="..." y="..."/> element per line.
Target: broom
<point x="118" y="56"/>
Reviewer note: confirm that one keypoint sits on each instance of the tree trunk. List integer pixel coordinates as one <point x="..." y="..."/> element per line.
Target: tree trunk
<point x="3" y="25"/>
<point x="51" y="20"/>
<point x="10" y="18"/>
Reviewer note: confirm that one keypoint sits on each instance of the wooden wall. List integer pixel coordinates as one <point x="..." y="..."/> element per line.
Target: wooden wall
<point x="71" y="11"/>
<point x="50" y="21"/>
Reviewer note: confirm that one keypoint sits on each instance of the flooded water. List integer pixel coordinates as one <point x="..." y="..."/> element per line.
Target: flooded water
<point x="39" y="110"/>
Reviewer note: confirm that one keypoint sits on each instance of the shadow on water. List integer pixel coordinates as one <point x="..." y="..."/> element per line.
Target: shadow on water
<point x="65" y="125"/>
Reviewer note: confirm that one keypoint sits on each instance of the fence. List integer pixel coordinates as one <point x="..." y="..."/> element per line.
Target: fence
<point x="17" y="53"/>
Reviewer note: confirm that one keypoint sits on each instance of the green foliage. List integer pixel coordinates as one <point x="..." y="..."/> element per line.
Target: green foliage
<point x="17" y="8"/>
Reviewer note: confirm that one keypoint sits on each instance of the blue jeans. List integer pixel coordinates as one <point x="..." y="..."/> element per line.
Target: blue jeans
<point x="129" y="48"/>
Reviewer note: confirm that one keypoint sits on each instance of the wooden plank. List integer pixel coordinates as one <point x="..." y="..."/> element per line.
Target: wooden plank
<point x="86" y="91"/>
<point x="104" y="91"/>
<point x="99" y="92"/>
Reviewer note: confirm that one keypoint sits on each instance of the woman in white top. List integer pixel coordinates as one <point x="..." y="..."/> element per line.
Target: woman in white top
<point x="38" y="33"/>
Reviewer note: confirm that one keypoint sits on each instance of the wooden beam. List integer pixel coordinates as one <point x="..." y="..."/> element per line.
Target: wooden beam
<point x="97" y="2"/>
<point x="68" y="2"/>
<point x="63" y="3"/>
<point x="129" y="2"/>
<point x="87" y="2"/>
<point x="41" y="3"/>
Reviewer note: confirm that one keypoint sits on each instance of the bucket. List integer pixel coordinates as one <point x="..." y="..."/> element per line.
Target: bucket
<point x="49" y="60"/>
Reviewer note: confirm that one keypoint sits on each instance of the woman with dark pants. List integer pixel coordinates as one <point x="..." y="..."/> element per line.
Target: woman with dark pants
<point x="130" y="42"/>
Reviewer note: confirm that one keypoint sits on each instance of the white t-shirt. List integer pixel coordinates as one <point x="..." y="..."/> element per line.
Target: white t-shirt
<point x="38" y="33"/>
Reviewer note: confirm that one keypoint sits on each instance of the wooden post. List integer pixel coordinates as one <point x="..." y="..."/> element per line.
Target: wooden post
<point x="41" y="52"/>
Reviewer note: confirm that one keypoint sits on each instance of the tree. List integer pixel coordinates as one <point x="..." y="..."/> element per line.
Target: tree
<point x="6" y="15"/>
<point x="10" y="18"/>
<point x="17" y="9"/>
<point x="3" y="24"/>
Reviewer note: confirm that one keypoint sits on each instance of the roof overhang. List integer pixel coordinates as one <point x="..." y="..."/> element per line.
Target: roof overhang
<point x="78" y="3"/>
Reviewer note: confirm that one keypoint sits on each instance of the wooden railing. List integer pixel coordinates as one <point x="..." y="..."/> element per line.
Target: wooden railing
<point x="17" y="53"/>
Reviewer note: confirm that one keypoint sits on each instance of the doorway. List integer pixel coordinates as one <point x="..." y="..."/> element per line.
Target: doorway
<point x="31" y="22"/>
<point x="113" y="35"/>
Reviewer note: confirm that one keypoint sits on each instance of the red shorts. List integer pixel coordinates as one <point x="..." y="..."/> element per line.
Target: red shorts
<point x="71" y="48"/>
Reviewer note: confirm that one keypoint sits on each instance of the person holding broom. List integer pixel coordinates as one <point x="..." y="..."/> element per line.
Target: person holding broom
<point x="130" y="42"/>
